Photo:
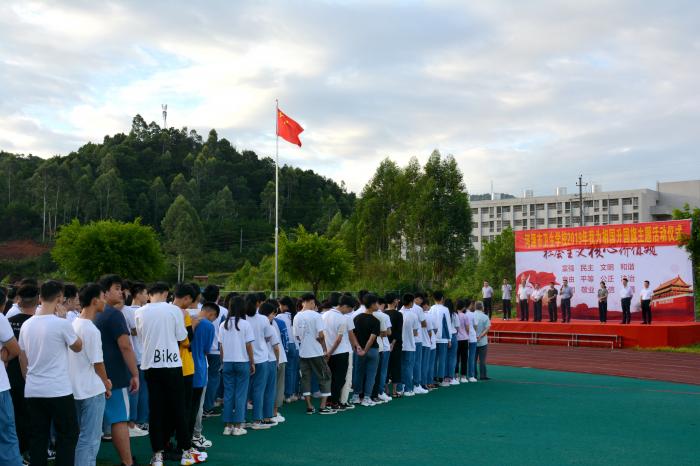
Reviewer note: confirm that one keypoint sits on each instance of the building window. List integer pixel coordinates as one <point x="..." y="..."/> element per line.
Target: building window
<point x="605" y="203"/>
<point x="587" y="203"/>
<point x="540" y="207"/>
<point x="588" y="219"/>
<point x="476" y="225"/>
<point x="524" y="223"/>
<point x="475" y="211"/>
<point x="627" y="217"/>
<point x="484" y="210"/>
<point x="614" y="217"/>
<point x="613" y="202"/>
<point x="540" y="221"/>
<point x="635" y="201"/>
<point x="551" y="206"/>
<point x="574" y="205"/>
<point x="517" y="208"/>
<point x="506" y="223"/>
<point x="506" y="209"/>
<point x="475" y="239"/>
<point x="532" y="209"/>
<point x="518" y="223"/>
<point x="635" y="217"/>
<point x="626" y="201"/>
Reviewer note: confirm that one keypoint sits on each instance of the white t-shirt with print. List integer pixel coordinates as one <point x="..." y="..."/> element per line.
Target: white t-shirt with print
<point x="45" y="340"/>
<point x="274" y="340"/>
<point x="410" y="324"/>
<point x="423" y="337"/>
<point x="6" y="335"/>
<point x="86" y="383"/>
<point x="307" y="325"/>
<point x="384" y="325"/>
<point x="336" y="323"/>
<point x="278" y="333"/>
<point x="234" y="341"/>
<point x="160" y="326"/>
<point x="263" y="333"/>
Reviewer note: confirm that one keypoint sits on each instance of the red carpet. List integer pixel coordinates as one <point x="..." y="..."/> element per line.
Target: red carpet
<point x="646" y="336"/>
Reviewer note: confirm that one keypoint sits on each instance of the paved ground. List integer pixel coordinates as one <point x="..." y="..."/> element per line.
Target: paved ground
<point x="522" y="416"/>
<point x="651" y="365"/>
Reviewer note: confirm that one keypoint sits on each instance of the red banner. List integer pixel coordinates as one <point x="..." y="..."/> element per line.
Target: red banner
<point x="627" y="235"/>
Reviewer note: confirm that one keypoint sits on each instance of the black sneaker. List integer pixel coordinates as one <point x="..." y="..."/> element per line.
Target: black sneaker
<point x="310" y="411"/>
<point x="347" y="406"/>
<point x="210" y="413"/>
<point x="325" y="410"/>
<point x="340" y="407"/>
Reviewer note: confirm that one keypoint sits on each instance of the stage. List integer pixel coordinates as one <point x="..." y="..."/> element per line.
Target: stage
<point x="635" y="334"/>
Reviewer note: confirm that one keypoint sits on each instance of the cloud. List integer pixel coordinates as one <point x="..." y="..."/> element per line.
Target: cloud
<point x="527" y="95"/>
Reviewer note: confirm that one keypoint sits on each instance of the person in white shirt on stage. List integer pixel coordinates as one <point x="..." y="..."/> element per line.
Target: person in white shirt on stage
<point x="645" y="299"/>
<point x="524" y="293"/>
<point x="487" y="294"/>
<point x="506" y="291"/>
<point x="536" y="297"/>
<point x="626" y="294"/>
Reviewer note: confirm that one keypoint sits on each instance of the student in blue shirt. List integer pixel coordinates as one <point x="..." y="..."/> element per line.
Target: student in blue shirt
<point x="204" y="335"/>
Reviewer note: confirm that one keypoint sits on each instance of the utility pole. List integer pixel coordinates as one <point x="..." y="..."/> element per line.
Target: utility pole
<point x="580" y="185"/>
<point x="164" y="107"/>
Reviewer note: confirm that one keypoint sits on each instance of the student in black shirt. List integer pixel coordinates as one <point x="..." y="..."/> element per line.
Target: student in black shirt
<point x="367" y="331"/>
<point x="392" y="301"/>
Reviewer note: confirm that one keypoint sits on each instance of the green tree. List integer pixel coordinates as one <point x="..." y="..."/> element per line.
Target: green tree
<point x="85" y="252"/>
<point x="315" y="259"/>
<point x="691" y="243"/>
<point x="496" y="262"/>
<point x="184" y="234"/>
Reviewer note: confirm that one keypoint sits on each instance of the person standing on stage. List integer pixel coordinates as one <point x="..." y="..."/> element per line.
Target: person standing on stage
<point x="523" y="295"/>
<point x="626" y="294"/>
<point x="536" y="297"/>
<point x="645" y="298"/>
<point x="487" y="293"/>
<point x="552" y="302"/>
<point x="566" y="293"/>
<point x="603" y="303"/>
<point x="506" y="290"/>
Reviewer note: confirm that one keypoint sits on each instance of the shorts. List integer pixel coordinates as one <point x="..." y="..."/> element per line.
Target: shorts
<point x="117" y="406"/>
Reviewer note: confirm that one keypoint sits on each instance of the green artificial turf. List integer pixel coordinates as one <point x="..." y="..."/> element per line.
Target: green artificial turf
<point x="522" y="416"/>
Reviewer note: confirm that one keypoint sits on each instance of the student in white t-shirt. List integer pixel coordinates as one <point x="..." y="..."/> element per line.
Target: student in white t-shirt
<point x="236" y="348"/>
<point x="263" y="333"/>
<point x="160" y="326"/>
<point x="71" y="303"/>
<point x="138" y="401"/>
<point x="422" y="354"/>
<point x="429" y="371"/>
<point x="443" y="335"/>
<point x="281" y="334"/>
<point x="340" y="340"/>
<point x="379" y="392"/>
<point x="409" y="335"/>
<point x="88" y="375"/>
<point x="45" y="341"/>
<point x="9" y="349"/>
<point x="273" y="354"/>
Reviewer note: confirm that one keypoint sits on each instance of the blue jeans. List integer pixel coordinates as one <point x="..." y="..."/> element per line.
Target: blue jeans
<point x="257" y="389"/>
<point x="383" y="369"/>
<point x="408" y="360"/>
<point x="356" y="383"/>
<point x="270" y="390"/>
<point x="291" y="371"/>
<point x="90" y="412"/>
<point x="213" y="380"/>
<point x="9" y="445"/>
<point x="428" y="362"/>
<point x="417" y="366"/>
<point x="441" y="360"/>
<point x="367" y="372"/>
<point x="236" y="379"/>
<point x="138" y="402"/>
<point x="452" y="357"/>
<point x="471" y="365"/>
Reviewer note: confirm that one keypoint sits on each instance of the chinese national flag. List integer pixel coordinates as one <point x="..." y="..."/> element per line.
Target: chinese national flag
<point x="288" y="129"/>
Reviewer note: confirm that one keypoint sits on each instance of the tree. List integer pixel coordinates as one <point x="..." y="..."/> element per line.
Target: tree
<point x="692" y="242"/>
<point x="184" y="234"/>
<point x="85" y="252"/>
<point x="496" y="262"/>
<point x="315" y="259"/>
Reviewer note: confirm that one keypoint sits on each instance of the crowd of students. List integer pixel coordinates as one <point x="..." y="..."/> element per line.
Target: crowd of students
<point x="115" y="360"/>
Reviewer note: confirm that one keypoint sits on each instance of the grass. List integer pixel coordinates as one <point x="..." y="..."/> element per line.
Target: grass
<point x="523" y="416"/>
<point x="694" y="348"/>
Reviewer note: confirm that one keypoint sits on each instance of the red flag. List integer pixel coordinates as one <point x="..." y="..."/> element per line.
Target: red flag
<point x="288" y="129"/>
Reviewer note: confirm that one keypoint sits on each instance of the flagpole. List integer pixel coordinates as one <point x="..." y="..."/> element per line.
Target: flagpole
<point x="277" y="195"/>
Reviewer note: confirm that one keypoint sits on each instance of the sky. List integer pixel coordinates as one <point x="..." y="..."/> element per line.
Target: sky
<point x="524" y="95"/>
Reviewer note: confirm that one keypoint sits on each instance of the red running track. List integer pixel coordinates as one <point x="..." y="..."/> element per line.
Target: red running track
<point x="651" y="365"/>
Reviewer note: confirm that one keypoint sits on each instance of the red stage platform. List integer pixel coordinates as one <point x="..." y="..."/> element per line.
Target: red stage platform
<point x="646" y="336"/>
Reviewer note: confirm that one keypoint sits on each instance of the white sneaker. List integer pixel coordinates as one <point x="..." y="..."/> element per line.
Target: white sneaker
<point x="259" y="426"/>
<point x="409" y="394"/>
<point x="157" y="459"/>
<point x="239" y="431"/>
<point x="355" y="399"/>
<point x="201" y="441"/>
<point x="444" y="384"/>
<point x="199" y="456"/>
<point x="463" y="379"/>
<point x="385" y="397"/>
<point x="228" y="430"/>
<point x="279" y="418"/>
<point x="136" y="432"/>
<point x="368" y="402"/>
<point x="454" y="382"/>
<point x="187" y="459"/>
<point x="421" y="391"/>
<point x="472" y="379"/>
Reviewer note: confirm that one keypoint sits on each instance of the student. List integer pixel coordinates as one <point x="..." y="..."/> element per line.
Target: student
<point x="262" y="332"/>
<point x="204" y="335"/>
<point x="27" y="298"/>
<point x="430" y="350"/>
<point x="282" y="334"/>
<point x="291" y="371"/>
<point x="482" y="324"/>
<point x="462" y="340"/>
<point x="337" y="329"/>
<point x="88" y="376"/>
<point x="120" y="362"/>
<point x="9" y="443"/>
<point x="44" y="341"/>
<point x="347" y="389"/>
<point x="442" y="340"/>
<point x="395" y="342"/>
<point x="471" y="326"/>
<point x="409" y="346"/>
<point x="212" y="294"/>
<point x="452" y="347"/>
<point x="487" y="295"/>
<point x="308" y="331"/>
<point x="236" y="338"/>
<point x="603" y="303"/>
<point x="367" y="329"/>
<point x="423" y="339"/>
<point x="268" y="311"/>
<point x="160" y="326"/>
<point x="71" y="302"/>
<point x="379" y="390"/>
<point x="138" y="402"/>
<point x="506" y="291"/>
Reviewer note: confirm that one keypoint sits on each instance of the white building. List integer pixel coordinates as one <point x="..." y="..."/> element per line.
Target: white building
<point x="562" y="210"/>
